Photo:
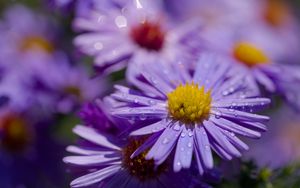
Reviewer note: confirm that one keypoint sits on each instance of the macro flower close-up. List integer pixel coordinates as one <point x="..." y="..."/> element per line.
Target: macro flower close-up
<point x="149" y="93"/>
<point x="195" y="112"/>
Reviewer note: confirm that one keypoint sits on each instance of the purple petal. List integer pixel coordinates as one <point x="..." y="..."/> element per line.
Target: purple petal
<point x="239" y="115"/>
<point x="92" y="136"/>
<point x="155" y="127"/>
<point x="147" y="112"/>
<point x="236" y="128"/>
<point x="149" y="142"/>
<point x="235" y="141"/>
<point x="90" y="160"/>
<point x="165" y="143"/>
<point x="184" y="150"/>
<point x="95" y="177"/>
<point x="238" y="103"/>
<point x="220" y="138"/>
<point x="82" y="151"/>
<point x="203" y="147"/>
<point x="264" y="80"/>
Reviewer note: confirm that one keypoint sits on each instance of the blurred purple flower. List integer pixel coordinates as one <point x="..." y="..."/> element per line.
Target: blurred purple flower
<point x="196" y="110"/>
<point x="115" y="33"/>
<point x="34" y="73"/>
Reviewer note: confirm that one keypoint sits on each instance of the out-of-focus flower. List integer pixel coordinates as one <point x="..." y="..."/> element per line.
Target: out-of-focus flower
<point x="115" y="33"/>
<point x="193" y="110"/>
<point x="34" y="73"/>
<point x="253" y="51"/>
<point x="32" y="33"/>
<point x="282" y="141"/>
<point x="26" y="150"/>
<point x="69" y="84"/>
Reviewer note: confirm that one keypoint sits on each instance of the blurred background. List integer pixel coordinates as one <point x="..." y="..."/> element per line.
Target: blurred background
<point x="49" y="86"/>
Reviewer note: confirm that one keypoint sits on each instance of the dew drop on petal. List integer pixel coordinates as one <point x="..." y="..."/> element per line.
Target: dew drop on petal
<point x="121" y="21"/>
<point x="176" y="127"/>
<point x="165" y="141"/>
<point x="98" y="46"/>
<point x="182" y="135"/>
<point x="151" y="102"/>
<point x="143" y="117"/>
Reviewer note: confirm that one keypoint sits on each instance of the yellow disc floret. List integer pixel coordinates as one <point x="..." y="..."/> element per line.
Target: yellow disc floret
<point x="189" y="103"/>
<point x="35" y="42"/>
<point x="249" y="54"/>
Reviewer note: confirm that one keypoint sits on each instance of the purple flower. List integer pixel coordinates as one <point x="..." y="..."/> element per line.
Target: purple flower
<point x="115" y="33"/>
<point x="103" y="160"/>
<point x="255" y="52"/>
<point x="192" y="110"/>
<point x="32" y="33"/>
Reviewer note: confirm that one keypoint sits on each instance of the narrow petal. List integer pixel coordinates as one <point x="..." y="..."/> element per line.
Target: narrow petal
<point x="136" y="99"/>
<point x="241" y="103"/>
<point x="92" y="136"/>
<point x="239" y="115"/>
<point x="203" y="147"/>
<point x="164" y="144"/>
<point x="155" y="127"/>
<point x="234" y="127"/>
<point x="235" y="140"/>
<point x="220" y="138"/>
<point x="95" y="177"/>
<point x="90" y="160"/>
<point x="184" y="150"/>
<point x="83" y="151"/>
<point x="150" y="112"/>
<point x="220" y="151"/>
<point x="149" y="142"/>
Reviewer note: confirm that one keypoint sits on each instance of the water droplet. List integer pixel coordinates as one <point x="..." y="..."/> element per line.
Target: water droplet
<point x="151" y="102"/>
<point x="224" y="93"/>
<point x="176" y="127"/>
<point x="190" y="144"/>
<point x="98" y="46"/>
<point x="218" y="114"/>
<point x="206" y="147"/>
<point x="165" y="141"/>
<point x="178" y="163"/>
<point x="190" y="133"/>
<point x="182" y="135"/>
<point x="232" y="134"/>
<point x="136" y="100"/>
<point x="143" y="117"/>
<point x="182" y="148"/>
<point x="121" y="21"/>
<point x="153" y="80"/>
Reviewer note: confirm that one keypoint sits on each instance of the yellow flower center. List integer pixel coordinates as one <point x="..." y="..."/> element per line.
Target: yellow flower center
<point x="276" y="12"/>
<point x="189" y="103"/>
<point x="249" y="54"/>
<point x="74" y="91"/>
<point x="15" y="135"/>
<point x="138" y="166"/>
<point x="35" y="42"/>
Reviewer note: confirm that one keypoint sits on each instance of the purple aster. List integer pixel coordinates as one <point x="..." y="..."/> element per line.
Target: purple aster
<point x="70" y="85"/>
<point x="103" y="160"/>
<point x="32" y="33"/>
<point x="255" y="52"/>
<point x="115" y="33"/>
<point x="192" y="111"/>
